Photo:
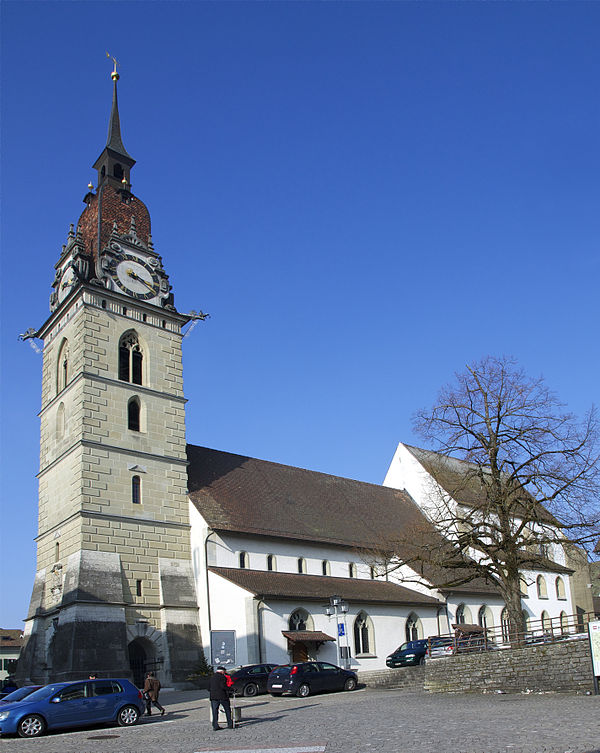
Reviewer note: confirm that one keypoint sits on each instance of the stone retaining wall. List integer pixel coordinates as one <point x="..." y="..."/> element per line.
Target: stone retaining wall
<point x="562" y="667"/>
<point x="407" y="678"/>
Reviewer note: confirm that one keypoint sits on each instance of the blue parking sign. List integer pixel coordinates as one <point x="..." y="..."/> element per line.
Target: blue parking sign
<point x="341" y="630"/>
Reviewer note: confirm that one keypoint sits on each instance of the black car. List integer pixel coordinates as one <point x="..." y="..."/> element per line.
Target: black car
<point x="308" y="677"/>
<point x="251" y="679"/>
<point x="412" y="652"/>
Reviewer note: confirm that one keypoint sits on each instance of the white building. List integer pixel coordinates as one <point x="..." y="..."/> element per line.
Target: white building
<point x="272" y="543"/>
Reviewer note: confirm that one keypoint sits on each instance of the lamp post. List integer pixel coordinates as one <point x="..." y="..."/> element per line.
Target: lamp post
<point x="336" y="607"/>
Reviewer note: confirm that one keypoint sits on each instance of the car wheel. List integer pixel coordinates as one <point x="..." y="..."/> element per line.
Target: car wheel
<point x="31" y="725"/>
<point x="127" y="716"/>
<point x="250" y="690"/>
<point x="303" y="690"/>
<point x="422" y="661"/>
<point x="350" y="684"/>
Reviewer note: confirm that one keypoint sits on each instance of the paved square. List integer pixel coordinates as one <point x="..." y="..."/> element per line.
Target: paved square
<point x="364" y="721"/>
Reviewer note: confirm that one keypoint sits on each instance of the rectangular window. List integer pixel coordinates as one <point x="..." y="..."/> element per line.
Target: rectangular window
<point x="138" y="587"/>
<point x="57" y="552"/>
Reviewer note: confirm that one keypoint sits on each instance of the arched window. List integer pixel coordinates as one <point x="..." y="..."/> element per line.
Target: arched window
<point x="60" y="421"/>
<point x="505" y="622"/>
<point x="133" y="414"/>
<point x="442" y="621"/>
<point x="301" y="565"/>
<point x="325" y="567"/>
<point x="564" y="623"/>
<point x="546" y="622"/>
<point x="118" y="171"/>
<point x="413" y="627"/>
<point x="463" y="614"/>
<point x="243" y="560"/>
<point x="363" y="634"/>
<point x="62" y="366"/>
<point x="351" y="570"/>
<point x="542" y="590"/>
<point x="485" y="617"/>
<point x="130" y="358"/>
<point x="300" y="620"/>
<point x="136" y="490"/>
<point x="560" y="588"/>
<point x="271" y="562"/>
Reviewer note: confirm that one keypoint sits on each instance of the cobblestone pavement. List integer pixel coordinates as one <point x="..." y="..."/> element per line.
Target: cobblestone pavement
<point x="365" y="721"/>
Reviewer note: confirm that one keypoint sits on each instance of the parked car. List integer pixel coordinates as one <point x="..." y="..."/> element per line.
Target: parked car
<point x="18" y="695"/>
<point x="439" y="646"/>
<point x="308" y="677"/>
<point x="73" y="704"/>
<point x="412" y="652"/>
<point x="251" y="679"/>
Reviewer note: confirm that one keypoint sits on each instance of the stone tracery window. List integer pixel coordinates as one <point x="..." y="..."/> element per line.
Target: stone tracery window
<point x="413" y="628"/>
<point x="300" y="619"/>
<point x="363" y="634"/>
<point x="131" y="358"/>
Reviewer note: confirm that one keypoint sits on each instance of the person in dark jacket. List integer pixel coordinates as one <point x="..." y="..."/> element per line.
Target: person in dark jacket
<point x="151" y="691"/>
<point x="219" y="696"/>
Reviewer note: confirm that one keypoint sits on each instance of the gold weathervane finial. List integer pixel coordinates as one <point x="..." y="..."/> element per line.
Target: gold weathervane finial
<point x="114" y="75"/>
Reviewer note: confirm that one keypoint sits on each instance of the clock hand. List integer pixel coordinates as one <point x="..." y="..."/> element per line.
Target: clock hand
<point x="135" y="276"/>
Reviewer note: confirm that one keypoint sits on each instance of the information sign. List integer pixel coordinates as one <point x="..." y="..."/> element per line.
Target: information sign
<point x="222" y="647"/>
<point x="594" y="633"/>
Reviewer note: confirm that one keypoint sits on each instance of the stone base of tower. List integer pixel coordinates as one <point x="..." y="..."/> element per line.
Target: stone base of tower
<point x="91" y="630"/>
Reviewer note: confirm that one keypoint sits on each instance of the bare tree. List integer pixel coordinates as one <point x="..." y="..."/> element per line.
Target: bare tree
<point x="514" y="476"/>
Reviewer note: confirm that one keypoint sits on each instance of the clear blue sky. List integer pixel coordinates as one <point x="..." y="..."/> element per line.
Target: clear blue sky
<point x="364" y="196"/>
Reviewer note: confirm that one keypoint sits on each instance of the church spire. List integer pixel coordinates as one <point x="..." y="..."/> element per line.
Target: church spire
<point x="114" y="164"/>
<point x="114" y="140"/>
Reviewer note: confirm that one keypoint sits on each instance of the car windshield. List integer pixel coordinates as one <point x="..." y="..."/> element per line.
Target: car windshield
<point x="16" y="695"/>
<point x="283" y="670"/>
<point x="47" y="690"/>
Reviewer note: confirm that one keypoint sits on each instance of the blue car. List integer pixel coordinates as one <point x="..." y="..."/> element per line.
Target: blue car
<point x="73" y="704"/>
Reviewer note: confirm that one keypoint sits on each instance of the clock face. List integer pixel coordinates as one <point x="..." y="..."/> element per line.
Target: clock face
<point x="67" y="281"/>
<point x="136" y="278"/>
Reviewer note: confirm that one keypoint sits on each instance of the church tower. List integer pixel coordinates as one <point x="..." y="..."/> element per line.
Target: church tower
<point x="114" y="592"/>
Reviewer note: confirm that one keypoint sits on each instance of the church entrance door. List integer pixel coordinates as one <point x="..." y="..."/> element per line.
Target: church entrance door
<point x="299" y="652"/>
<point x="137" y="662"/>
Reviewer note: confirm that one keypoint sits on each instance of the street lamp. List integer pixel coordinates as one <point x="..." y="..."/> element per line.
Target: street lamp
<point x="336" y="607"/>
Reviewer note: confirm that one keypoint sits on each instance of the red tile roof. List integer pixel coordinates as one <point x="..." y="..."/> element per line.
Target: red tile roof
<point x="11" y="638"/>
<point x="275" y="585"/>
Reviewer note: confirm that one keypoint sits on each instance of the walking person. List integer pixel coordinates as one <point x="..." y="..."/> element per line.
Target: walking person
<point x="219" y="684"/>
<point x="151" y="691"/>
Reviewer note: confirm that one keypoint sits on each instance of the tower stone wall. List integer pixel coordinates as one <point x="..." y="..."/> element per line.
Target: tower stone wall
<point x="114" y="590"/>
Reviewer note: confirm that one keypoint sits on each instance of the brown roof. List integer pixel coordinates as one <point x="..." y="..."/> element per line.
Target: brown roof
<point x="275" y="585"/>
<point x="242" y="494"/>
<point x="11" y="638"/>
<point x="304" y="636"/>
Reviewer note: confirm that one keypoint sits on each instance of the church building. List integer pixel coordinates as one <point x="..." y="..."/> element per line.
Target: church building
<point x="151" y="551"/>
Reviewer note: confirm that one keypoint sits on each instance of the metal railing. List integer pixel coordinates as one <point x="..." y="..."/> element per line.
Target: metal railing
<point x="467" y="638"/>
